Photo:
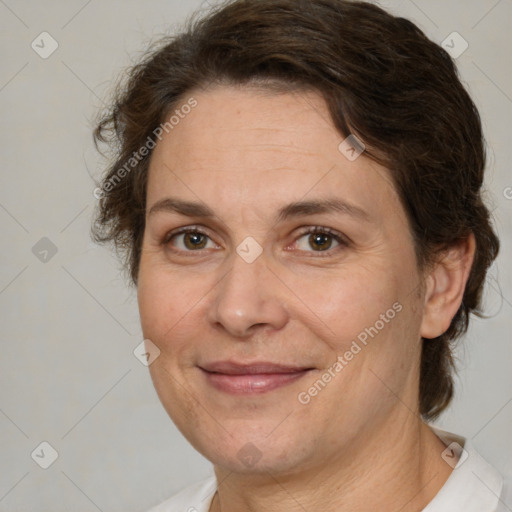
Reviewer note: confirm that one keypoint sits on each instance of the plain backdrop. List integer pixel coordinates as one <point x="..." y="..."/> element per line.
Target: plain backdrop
<point x="68" y="375"/>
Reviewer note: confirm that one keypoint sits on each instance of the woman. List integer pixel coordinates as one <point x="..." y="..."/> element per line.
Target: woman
<point x="297" y="189"/>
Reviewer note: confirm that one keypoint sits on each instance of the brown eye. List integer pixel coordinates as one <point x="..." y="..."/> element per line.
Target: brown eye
<point x="319" y="240"/>
<point x="188" y="240"/>
<point x="194" y="240"/>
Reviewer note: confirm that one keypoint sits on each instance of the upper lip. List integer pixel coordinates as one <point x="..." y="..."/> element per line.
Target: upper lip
<point x="232" y="368"/>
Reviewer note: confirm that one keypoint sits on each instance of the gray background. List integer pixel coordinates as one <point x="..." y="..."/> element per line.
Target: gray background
<point x="69" y="324"/>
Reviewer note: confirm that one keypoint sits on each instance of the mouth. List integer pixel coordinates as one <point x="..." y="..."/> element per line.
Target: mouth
<point x="251" y="379"/>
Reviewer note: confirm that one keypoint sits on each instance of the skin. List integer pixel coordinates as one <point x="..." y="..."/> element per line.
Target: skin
<point x="359" y="443"/>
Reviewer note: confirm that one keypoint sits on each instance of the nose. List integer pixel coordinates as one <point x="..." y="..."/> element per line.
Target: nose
<point x="247" y="298"/>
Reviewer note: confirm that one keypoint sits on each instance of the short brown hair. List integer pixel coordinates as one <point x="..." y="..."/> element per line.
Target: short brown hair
<point x="382" y="79"/>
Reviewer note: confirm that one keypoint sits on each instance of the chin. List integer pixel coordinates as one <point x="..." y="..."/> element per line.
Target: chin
<point x="246" y="453"/>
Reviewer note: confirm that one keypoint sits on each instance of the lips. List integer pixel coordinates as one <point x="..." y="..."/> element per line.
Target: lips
<point x="247" y="379"/>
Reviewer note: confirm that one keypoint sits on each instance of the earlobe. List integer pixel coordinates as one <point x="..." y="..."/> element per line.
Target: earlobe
<point x="445" y="285"/>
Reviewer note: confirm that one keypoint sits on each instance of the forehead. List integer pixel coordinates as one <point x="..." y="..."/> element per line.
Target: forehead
<point x="258" y="148"/>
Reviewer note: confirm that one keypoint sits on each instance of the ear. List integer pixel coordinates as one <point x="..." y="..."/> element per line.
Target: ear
<point x="445" y="285"/>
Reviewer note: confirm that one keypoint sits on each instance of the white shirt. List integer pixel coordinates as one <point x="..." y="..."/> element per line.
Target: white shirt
<point x="473" y="485"/>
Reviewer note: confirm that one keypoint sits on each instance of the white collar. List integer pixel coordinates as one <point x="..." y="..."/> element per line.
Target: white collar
<point x="473" y="485"/>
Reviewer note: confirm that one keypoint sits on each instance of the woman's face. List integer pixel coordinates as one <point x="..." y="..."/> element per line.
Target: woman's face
<point x="279" y="348"/>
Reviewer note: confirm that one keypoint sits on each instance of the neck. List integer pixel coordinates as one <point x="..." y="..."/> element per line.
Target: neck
<point x="397" y="469"/>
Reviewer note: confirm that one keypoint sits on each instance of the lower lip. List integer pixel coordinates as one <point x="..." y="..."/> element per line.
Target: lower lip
<point x="251" y="384"/>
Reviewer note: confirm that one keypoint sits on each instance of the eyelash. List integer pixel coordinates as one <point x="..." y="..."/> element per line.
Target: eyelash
<point x="338" y="237"/>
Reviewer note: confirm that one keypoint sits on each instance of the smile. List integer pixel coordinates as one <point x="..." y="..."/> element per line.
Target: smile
<point x="251" y="379"/>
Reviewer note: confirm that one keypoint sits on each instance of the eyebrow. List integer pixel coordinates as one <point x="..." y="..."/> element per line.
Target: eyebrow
<point x="296" y="209"/>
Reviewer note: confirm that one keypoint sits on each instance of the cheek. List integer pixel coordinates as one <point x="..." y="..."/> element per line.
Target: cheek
<point x="166" y="307"/>
<point x="158" y="293"/>
<point x="155" y="306"/>
<point x="351" y="303"/>
<point x="371" y="320"/>
<point x="171" y="303"/>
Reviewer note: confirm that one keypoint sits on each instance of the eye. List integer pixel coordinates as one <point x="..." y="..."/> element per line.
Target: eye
<point x="320" y="239"/>
<point x="188" y="239"/>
